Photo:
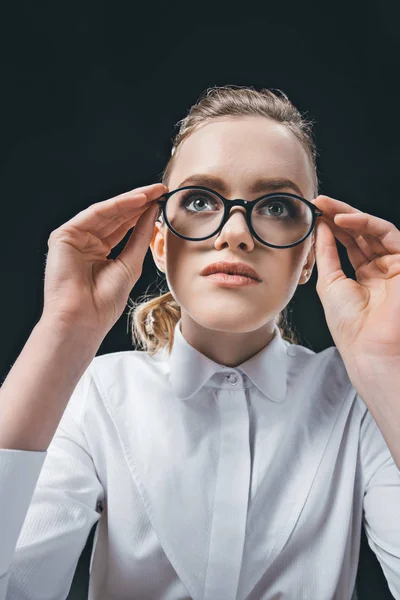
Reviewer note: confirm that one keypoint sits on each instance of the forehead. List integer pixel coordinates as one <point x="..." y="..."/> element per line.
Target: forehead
<point x="240" y="150"/>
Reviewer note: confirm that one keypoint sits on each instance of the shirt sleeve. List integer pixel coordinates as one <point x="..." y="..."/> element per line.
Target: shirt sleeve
<point x="381" y="505"/>
<point x="48" y="506"/>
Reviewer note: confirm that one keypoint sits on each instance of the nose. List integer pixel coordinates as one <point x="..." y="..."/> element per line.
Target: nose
<point x="235" y="232"/>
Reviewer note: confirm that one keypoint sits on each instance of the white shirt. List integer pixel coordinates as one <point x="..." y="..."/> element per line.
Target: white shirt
<point x="207" y="482"/>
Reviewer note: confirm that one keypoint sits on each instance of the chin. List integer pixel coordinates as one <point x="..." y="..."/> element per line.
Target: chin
<point x="230" y="320"/>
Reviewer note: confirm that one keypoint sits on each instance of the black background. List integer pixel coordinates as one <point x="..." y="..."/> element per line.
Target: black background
<point x="91" y="92"/>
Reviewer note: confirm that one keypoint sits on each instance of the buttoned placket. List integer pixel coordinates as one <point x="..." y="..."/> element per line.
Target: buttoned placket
<point x="229" y="519"/>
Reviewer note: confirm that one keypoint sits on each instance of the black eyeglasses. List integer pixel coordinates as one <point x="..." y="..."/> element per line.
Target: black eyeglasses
<point x="271" y="229"/>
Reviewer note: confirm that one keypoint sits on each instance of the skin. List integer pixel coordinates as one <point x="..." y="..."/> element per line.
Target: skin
<point x="230" y="325"/>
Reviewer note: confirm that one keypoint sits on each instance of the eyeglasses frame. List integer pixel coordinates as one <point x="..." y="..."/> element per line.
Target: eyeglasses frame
<point x="247" y="204"/>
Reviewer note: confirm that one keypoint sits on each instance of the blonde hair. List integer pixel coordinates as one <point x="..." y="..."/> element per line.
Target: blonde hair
<point x="154" y="319"/>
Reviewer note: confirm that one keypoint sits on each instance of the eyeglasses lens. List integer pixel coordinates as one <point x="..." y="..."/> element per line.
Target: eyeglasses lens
<point x="278" y="220"/>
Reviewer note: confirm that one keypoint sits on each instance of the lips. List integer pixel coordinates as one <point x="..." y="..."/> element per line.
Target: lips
<point x="232" y="268"/>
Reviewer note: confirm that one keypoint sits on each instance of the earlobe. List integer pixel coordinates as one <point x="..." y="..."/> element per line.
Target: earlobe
<point x="157" y="246"/>
<point x="308" y="265"/>
<point x="156" y="234"/>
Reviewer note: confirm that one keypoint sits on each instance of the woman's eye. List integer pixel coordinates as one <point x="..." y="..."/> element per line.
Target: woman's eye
<point x="199" y="202"/>
<point x="281" y="207"/>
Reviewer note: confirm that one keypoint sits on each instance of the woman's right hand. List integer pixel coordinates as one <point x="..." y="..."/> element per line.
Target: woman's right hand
<point x="83" y="288"/>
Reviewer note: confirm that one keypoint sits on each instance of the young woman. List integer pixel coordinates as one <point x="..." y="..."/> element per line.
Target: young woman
<point x="225" y="461"/>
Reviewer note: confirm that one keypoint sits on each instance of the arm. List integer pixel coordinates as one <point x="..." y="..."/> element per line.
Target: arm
<point x="381" y="504"/>
<point x="48" y="507"/>
<point x="377" y="382"/>
<point x="33" y="401"/>
<point x="36" y="391"/>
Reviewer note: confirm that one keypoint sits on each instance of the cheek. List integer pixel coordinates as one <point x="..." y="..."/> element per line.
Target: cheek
<point x="296" y="263"/>
<point x="182" y="265"/>
<point x="285" y="265"/>
<point x="283" y="269"/>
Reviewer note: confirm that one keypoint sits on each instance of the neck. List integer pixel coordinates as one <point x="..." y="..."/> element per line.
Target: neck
<point x="227" y="348"/>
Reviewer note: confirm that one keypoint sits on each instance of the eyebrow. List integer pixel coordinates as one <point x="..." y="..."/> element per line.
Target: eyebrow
<point x="269" y="184"/>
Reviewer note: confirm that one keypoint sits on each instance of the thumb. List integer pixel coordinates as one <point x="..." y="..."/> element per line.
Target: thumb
<point x="134" y="252"/>
<point x="327" y="257"/>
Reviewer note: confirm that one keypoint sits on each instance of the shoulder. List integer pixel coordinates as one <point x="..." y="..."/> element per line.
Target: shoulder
<point x="128" y="368"/>
<point x="127" y="357"/>
<point x="328" y="359"/>
<point x="322" y="372"/>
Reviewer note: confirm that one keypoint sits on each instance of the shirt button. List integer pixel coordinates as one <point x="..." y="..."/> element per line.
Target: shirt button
<point x="232" y="378"/>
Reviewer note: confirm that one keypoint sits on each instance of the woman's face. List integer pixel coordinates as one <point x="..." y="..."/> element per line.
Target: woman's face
<point x="238" y="151"/>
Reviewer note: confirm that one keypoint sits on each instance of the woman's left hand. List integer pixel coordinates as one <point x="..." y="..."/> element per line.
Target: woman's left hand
<point x="363" y="316"/>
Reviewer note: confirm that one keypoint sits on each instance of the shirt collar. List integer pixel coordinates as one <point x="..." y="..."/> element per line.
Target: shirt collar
<point x="190" y="369"/>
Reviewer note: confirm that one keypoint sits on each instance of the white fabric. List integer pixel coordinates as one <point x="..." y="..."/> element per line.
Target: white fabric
<point x="206" y="482"/>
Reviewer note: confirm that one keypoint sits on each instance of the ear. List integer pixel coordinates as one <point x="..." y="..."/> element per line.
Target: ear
<point x="309" y="262"/>
<point x="157" y="246"/>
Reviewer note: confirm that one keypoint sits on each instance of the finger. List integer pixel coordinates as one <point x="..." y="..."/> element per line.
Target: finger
<point x="103" y="218"/>
<point x="384" y="235"/>
<point x="331" y="207"/>
<point x="132" y="256"/>
<point x="326" y="256"/>
<point x="153" y="191"/>
<point x="114" y="238"/>
<point x="356" y="255"/>
<point x="370" y="245"/>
